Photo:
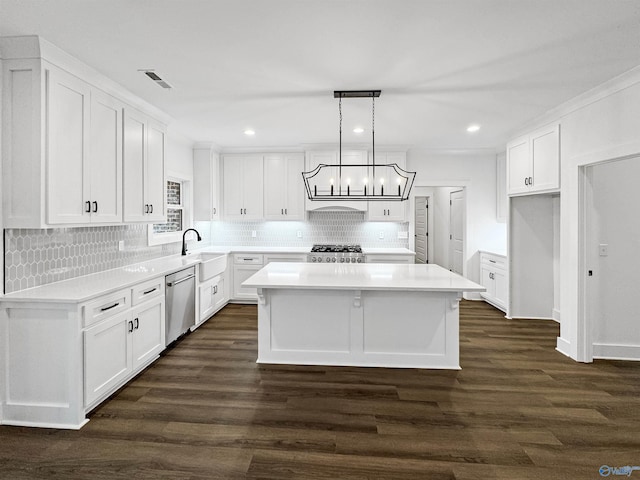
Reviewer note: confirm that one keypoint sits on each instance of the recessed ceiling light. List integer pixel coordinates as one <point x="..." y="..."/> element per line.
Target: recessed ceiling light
<point x="249" y="133"/>
<point x="473" y="128"/>
<point x="358" y="130"/>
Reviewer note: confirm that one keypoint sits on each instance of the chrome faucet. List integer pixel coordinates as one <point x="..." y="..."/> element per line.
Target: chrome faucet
<point x="184" y="243"/>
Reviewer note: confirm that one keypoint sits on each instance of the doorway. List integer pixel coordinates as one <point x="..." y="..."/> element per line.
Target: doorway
<point x="611" y="242"/>
<point x="456" y="231"/>
<point x="421" y="236"/>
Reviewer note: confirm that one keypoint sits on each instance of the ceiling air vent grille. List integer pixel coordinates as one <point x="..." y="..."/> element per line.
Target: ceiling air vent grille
<point x="156" y="78"/>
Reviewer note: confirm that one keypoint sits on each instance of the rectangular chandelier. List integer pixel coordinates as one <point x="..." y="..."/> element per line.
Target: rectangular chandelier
<point x="369" y="182"/>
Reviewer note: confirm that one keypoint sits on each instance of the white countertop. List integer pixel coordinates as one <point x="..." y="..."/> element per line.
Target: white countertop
<point x="86" y="287"/>
<point x="367" y="276"/>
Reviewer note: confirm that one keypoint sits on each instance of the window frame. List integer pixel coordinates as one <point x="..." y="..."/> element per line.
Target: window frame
<point x="154" y="238"/>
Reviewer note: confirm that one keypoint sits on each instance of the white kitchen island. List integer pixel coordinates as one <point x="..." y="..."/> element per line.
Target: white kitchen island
<point x="369" y="315"/>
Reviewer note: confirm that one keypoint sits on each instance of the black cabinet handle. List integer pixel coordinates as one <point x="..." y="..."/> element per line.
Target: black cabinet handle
<point x="492" y="261"/>
<point x="95" y="207"/>
<point x="240" y="211"/>
<point x="88" y="203"/>
<point x="530" y="180"/>
<point x="214" y="210"/>
<point x="146" y="208"/>
<point x="151" y="208"/>
<point x="104" y="309"/>
<point x="285" y="212"/>
<point x="149" y="291"/>
<point x="526" y="180"/>
<point x="245" y="211"/>
<point x="137" y="322"/>
<point x="130" y="326"/>
<point x="282" y="211"/>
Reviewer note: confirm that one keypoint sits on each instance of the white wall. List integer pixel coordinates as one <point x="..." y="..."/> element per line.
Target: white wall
<point x="476" y="171"/>
<point x="179" y="158"/>
<point x="601" y="125"/>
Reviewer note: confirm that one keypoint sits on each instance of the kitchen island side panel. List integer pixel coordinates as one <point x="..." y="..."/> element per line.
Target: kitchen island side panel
<point x="400" y="329"/>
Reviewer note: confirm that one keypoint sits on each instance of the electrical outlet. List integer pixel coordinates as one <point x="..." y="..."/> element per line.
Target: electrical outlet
<point x="381" y="235"/>
<point x="253" y="233"/>
<point x="603" y="248"/>
<point x="299" y="234"/>
<point x="121" y="245"/>
<point x="403" y="235"/>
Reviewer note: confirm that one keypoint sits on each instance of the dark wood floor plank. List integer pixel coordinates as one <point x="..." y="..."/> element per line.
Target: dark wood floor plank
<point x="517" y="410"/>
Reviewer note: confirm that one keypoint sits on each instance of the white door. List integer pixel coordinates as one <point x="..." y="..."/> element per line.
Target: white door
<point x="148" y="331"/>
<point x="421" y="234"/>
<point x="134" y="140"/>
<point x="68" y="131"/>
<point x="275" y="187"/>
<point x="105" y="166"/>
<point x="456" y="231"/>
<point x="518" y="166"/>
<point x="611" y="244"/>
<point x="154" y="186"/>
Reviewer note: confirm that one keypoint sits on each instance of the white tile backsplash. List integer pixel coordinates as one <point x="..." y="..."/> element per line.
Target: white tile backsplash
<point x="38" y="257"/>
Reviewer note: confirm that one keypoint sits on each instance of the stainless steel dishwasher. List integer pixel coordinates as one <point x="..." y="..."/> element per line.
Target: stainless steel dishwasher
<point x="180" y="299"/>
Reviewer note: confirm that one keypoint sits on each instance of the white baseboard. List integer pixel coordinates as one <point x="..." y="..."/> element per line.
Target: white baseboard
<point x="563" y="347"/>
<point x="608" y="351"/>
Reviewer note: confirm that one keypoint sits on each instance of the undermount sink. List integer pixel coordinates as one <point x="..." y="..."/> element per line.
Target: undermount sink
<point x="211" y="264"/>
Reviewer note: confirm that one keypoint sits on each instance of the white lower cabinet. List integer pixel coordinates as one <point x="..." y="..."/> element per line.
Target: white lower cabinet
<point x="107" y="356"/>
<point x="245" y="265"/>
<point x="117" y="347"/>
<point x="213" y="297"/>
<point x="493" y="276"/>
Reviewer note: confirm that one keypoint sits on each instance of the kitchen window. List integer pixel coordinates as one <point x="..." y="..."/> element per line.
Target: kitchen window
<point x="178" y="215"/>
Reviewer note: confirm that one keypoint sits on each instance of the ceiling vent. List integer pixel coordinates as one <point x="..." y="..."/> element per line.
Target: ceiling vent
<point x="156" y="78"/>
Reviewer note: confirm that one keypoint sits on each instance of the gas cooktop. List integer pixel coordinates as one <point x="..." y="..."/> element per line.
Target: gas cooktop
<point x="320" y="248"/>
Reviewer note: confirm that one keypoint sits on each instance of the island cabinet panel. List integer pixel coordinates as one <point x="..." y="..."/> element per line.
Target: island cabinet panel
<point x="358" y="328"/>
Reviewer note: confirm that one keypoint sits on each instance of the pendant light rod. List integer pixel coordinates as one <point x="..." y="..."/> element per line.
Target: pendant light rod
<point x="356" y="93"/>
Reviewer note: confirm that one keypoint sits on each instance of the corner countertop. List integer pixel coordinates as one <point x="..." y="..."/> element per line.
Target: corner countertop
<point x="363" y="276"/>
<point x="86" y="287"/>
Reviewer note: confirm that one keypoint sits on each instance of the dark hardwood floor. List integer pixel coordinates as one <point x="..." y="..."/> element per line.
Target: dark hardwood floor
<point x="517" y="410"/>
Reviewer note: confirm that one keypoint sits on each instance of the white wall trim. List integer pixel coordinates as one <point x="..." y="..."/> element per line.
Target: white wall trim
<point x="564" y="347"/>
<point x="616" y="352"/>
<point x="604" y="90"/>
<point x="555" y="315"/>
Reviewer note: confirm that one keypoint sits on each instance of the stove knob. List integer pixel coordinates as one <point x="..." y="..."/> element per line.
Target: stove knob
<point x="342" y="260"/>
<point x="333" y="259"/>
<point x="359" y="260"/>
<point x="328" y="259"/>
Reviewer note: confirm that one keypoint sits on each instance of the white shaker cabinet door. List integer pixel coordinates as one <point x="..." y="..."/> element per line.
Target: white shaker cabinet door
<point x="68" y="107"/>
<point x="105" y="166"/>
<point x="135" y="134"/>
<point x="107" y="355"/>
<point x="545" y="154"/>
<point x="154" y="185"/>
<point x="253" y="188"/>
<point x="148" y="331"/>
<point x="233" y="198"/>
<point x="275" y="187"/>
<point x="518" y="166"/>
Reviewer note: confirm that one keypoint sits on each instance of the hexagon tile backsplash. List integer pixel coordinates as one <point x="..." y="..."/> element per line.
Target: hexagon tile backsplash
<point x="38" y="257"/>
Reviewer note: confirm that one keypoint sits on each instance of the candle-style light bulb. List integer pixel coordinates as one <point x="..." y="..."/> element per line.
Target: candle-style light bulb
<point x="348" y="186"/>
<point x="364" y="181"/>
<point x="399" y="190"/>
<point x="382" y="186"/>
<point x="331" y="181"/>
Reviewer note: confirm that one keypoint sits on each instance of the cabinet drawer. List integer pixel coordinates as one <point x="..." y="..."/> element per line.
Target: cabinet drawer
<point x="247" y="259"/>
<point x="494" y="261"/>
<point x="147" y="290"/>
<point x="106" y="306"/>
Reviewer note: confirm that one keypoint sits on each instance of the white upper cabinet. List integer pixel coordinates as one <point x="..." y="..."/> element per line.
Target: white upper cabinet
<point x="283" y="187"/>
<point x="68" y="179"/>
<point x="243" y="187"/>
<point x="105" y="156"/>
<point x="62" y="148"/>
<point x="381" y="211"/>
<point x="206" y="185"/>
<point x="533" y="162"/>
<point x="144" y="148"/>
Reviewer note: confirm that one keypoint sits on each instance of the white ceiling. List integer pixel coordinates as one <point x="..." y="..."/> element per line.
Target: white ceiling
<point x="272" y="65"/>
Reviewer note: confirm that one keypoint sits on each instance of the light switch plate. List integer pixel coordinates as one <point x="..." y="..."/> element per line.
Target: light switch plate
<point x="121" y="245"/>
<point x="253" y="233"/>
<point x="381" y="235"/>
<point x="299" y="234"/>
<point x="603" y="249"/>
